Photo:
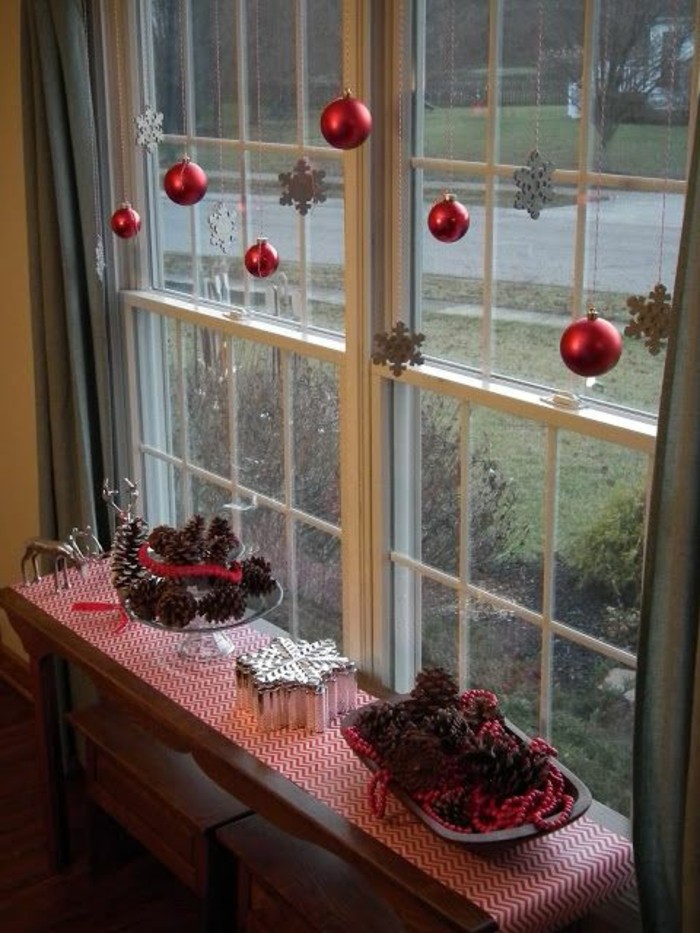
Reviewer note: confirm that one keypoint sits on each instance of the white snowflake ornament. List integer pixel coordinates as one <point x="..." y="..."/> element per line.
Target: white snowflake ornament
<point x="99" y="258"/>
<point x="222" y="227"/>
<point x="149" y="128"/>
<point x="534" y="183"/>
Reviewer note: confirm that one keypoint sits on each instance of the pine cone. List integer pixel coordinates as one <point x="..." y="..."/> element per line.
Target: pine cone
<point x="143" y="597"/>
<point x="192" y="540"/>
<point x="176" y="606"/>
<point x="162" y="540"/>
<point x="504" y="763"/>
<point x="434" y="689"/>
<point x="382" y="725"/>
<point x="126" y="569"/>
<point x="453" y="730"/>
<point x="454" y="808"/>
<point x="480" y="706"/>
<point x="257" y="576"/>
<point x="224" y="600"/>
<point x="220" y="541"/>
<point x="416" y="763"/>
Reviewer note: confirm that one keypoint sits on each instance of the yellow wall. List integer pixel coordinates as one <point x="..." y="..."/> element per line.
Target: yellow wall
<point x="19" y="510"/>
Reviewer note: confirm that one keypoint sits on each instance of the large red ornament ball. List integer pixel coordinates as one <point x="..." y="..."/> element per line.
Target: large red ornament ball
<point x="185" y="182"/>
<point x="346" y="122"/>
<point x="590" y="346"/>
<point x="125" y="222"/>
<point x="261" y="259"/>
<point x="448" y="220"/>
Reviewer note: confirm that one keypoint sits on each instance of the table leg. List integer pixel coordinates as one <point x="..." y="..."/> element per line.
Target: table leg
<point x="47" y="723"/>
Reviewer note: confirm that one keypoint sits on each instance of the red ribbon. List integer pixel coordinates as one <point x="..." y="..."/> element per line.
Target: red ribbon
<point x="104" y="607"/>
<point x="234" y="574"/>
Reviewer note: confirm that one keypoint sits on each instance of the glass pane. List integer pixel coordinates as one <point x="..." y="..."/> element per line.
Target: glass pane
<point x="451" y="280"/>
<point x="214" y="69"/>
<point x="456" y="50"/>
<point x="600" y="536"/>
<point x="263" y="531"/>
<point x="324" y="61"/>
<point x="513" y="675"/>
<point x="532" y="288"/>
<point x="167" y="34"/>
<point x="592" y="722"/>
<point x="316" y="438"/>
<point x="259" y="459"/>
<point x="440" y="627"/>
<point x="540" y="82"/>
<point x="209" y="500"/>
<point x="440" y="482"/>
<point x="271" y="100"/>
<point x="162" y="500"/>
<point x="506" y="489"/>
<point x="325" y="253"/>
<point x="207" y="370"/>
<point x="158" y="382"/>
<point x="319" y="592"/>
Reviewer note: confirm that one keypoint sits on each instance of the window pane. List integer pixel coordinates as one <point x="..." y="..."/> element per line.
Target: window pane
<point x="440" y="482"/>
<point x="318" y="585"/>
<point x="207" y="372"/>
<point x="506" y="490"/>
<point x="440" y="627"/>
<point x="512" y="674"/>
<point x="592" y="722"/>
<point x="159" y="381"/>
<point x="316" y="439"/>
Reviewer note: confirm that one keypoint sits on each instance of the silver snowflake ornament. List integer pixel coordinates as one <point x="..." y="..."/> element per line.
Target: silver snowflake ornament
<point x="534" y="183"/>
<point x="222" y="227"/>
<point x="149" y="128"/>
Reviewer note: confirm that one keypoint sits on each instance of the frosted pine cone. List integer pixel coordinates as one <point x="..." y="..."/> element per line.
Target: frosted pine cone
<point x="126" y="570"/>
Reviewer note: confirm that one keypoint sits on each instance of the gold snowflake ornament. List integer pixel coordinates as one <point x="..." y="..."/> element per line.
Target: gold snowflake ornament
<point x="400" y="348"/>
<point x="651" y="318"/>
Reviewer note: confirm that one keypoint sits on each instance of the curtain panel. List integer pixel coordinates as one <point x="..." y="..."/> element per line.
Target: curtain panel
<point x="70" y="328"/>
<point x="666" y="819"/>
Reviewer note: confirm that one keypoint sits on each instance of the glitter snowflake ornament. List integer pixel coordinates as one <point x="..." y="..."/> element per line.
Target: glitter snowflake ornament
<point x="222" y="227"/>
<point x="534" y="183"/>
<point x="651" y="318"/>
<point x="399" y="348"/>
<point x="149" y="128"/>
<point x="99" y="258"/>
<point x="303" y="186"/>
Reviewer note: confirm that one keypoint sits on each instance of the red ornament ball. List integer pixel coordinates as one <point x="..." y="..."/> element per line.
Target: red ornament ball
<point x="590" y="346"/>
<point x="346" y="122"/>
<point x="185" y="182"/>
<point x="125" y="222"/>
<point x="448" y="220"/>
<point x="261" y="259"/>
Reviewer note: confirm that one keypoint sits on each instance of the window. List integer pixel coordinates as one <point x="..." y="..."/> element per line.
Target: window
<point x="485" y="510"/>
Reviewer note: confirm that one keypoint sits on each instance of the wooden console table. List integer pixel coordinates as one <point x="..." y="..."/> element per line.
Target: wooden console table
<point x="310" y="786"/>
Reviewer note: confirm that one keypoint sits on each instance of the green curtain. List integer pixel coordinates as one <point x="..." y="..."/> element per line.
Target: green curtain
<point x="666" y="820"/>
<point x="70" y="327"/>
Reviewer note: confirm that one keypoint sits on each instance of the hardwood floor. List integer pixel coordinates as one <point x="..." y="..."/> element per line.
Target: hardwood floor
<point x="129" y="892"/>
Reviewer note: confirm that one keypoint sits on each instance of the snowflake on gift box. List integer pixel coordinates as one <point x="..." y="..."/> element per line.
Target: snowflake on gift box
<point x="222" y="227"/>
<point x="534" y="183"/>
<point x="400" y="348"/>
<point x="286" y="661"/>
<point x="651" y="318"/>
<point x="303" y="186"/>
<point x="149" y="128"/>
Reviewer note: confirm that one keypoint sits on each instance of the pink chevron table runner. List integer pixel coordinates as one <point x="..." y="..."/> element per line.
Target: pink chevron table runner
<point x="536" y="886"/>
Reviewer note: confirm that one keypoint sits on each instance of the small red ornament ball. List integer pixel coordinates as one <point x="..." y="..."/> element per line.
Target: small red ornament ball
<point x="261" y="259"/>
<point x="590" y="346"/>
<point x="448" y="220"/>
<point x="346" y="122"/>
<point x="125" y="222"/>
<point x="185" y="182"/>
